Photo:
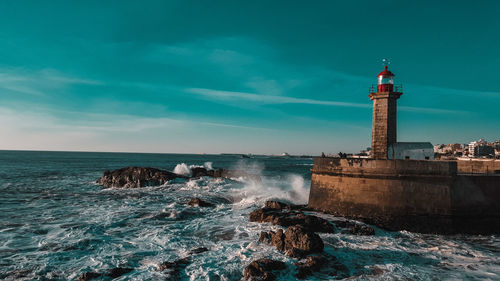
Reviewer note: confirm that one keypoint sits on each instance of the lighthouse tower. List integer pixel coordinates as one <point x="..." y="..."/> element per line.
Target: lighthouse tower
<point x="384" y="113"/>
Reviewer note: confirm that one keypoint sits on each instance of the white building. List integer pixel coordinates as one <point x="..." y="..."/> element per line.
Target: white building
<point x="411" y="150"/>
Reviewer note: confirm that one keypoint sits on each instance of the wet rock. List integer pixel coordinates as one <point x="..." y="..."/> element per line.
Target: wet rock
<point x="278" y="240"/>
<point x="265" y="237"/>
<point x="198" y="172"/>
<point x="300" y="241"/>
<point x="197" y="202"/>
<point x="359" y="229"/>
<point x="134" y="177"/>
<point x="355" y="228"/>
<point x="175" y="265"/>
<point x="262" y="270"/>
<point x="89" y="276"/>
<point x="277" y="205"/>
<point x="289" y="218"/>
<point x="326" y="263"/>
<point x="118" y="271"/>
<point x="296" y="241"/>
<point x="310" y="265"/>
<point x="198" y="250"/>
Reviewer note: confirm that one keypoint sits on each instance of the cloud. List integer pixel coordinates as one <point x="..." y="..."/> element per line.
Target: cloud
<point x="38" y="82"/>
<point x="268" y="99"/>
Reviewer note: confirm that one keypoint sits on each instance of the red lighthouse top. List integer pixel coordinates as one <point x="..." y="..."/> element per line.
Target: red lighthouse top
<point x="386" y="73"/>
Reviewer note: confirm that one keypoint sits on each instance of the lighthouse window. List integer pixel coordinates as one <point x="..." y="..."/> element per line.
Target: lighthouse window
<point x="385" y="80"/>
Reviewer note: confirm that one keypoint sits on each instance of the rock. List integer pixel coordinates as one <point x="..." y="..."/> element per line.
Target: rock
<point x="310" y="265"/>
<point x="360" y="229"/>
<point x="289" y="218"/>
<point x="134" y="177"/>
<point x="198" y="172"/>
<point x="355" y="228"/>
<point x="278" y="240"/>
<point x="118" y="271"/>
<point x="276" y="205"/>
<point x="198" y="250"/>
<point x="175" y="265"/>
<point x="326" y="263"/>
<point x="262" y="270"/>
<point x="296" y="241"/>
<point x="265" y="237"/>
<point x="197" y="202"/>
<point x="174" y="269"/>
<point x="112" y="273"/>
<point x="89" y="276"/>
<point x="300" y="241"/>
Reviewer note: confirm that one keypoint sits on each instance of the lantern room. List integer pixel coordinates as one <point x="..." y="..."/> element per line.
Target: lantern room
<point x="385" y="81"/>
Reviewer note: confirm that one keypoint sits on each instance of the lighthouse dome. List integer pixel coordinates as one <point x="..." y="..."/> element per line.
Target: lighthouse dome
<point x="385" y="73"/>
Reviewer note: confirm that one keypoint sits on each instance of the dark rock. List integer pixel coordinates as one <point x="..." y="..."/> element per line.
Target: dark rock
<point x="305" y="241"/>
<point x="197" y="202"/>
<point x="310" y="265"/>
<point x="277" y="205"/>
<point x="262" y="270"/>
<point x="133" y="177"/>
<point x="360" y="229"/>
<point x="296" y="241"/>
<point x="289" y="218"/>
<point x="198" y="172"/>
<point x="118" y="271"/>
<point x="176" y="266"/>
<point x="326" y="263"/>
<point x="89" y="276"/>
<point x="198" y="250"/>
<point x="265" y="237"/>
<point x="355" y="228"/>
<point x="278" y="239"/>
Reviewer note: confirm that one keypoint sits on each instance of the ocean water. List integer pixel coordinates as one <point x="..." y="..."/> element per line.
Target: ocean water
<point x="56" y="223"/>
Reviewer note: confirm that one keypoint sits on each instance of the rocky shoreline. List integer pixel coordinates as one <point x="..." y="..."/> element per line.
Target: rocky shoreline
<point x="136" y="177"/>
<point x="296" y="238"/>
<point x="300" y="241"/>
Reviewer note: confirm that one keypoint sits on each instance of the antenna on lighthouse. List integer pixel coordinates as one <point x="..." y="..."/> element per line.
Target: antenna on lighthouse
<point x="386" y="62"/>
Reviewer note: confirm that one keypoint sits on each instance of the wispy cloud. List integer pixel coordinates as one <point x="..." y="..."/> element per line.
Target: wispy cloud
<point x="271" y="99"/>
<point x="37" y="82"/>
<point x="268" y="99"/>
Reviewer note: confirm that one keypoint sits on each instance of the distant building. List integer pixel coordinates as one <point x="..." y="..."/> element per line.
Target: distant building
<point x="481" y="148"/>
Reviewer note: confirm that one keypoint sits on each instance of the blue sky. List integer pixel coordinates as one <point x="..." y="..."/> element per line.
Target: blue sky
<point x="242" y="76"/>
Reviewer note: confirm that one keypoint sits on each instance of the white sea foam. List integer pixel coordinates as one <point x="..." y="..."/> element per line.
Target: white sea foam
<point x="182" y="169"/>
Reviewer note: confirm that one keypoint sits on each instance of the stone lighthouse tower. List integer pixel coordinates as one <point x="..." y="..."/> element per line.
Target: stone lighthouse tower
<point x="384" y="113"/>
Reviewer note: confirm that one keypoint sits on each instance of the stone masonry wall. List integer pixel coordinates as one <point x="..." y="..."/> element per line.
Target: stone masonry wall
<point x="416" y="195"/>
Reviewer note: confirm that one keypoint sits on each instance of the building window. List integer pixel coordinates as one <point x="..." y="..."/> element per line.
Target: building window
<point x="426" y="157"/>
<point x="407" y="157"/>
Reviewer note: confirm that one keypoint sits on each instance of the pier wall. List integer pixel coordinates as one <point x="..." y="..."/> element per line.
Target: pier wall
<point x="478" y="166"/>
<point x="417" y="195"/>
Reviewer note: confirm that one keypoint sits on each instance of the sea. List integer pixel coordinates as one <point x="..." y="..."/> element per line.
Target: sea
<point x="57" y="223"/>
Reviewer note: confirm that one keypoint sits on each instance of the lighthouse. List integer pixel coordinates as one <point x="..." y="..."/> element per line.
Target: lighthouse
<point x="384" y="128"/>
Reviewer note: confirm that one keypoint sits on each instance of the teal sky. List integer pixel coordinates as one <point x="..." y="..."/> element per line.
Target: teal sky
<point x="243" y="76"/>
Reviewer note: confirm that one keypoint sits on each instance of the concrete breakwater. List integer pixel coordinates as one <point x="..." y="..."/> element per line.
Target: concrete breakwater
<point x="415" y="195"/>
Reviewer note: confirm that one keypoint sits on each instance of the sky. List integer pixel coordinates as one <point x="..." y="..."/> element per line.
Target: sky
<point x="243" y="76"/>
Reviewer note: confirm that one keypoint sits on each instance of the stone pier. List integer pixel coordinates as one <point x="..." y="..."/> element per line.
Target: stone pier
<point x="415" y="195"/>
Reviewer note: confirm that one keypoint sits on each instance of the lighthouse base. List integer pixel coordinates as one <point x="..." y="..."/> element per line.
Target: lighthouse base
<point x="414" y="195"/>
